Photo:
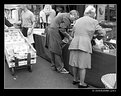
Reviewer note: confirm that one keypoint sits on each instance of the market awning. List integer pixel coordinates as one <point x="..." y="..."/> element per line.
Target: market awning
<point x="11" y="6"/>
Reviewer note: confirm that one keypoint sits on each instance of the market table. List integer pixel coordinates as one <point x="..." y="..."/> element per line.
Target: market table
<point x="40" y="44"/>
<point x="102" y="63"/>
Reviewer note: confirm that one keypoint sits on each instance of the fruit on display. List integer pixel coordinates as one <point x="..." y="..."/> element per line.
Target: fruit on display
<point x="13" y="37"/>
<point x="16" y="45"/>
<point x="104" y="47"/>
<point x="21" y="48"/>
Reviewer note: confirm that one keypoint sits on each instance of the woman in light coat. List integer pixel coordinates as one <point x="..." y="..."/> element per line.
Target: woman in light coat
<point x="80" y="46"/>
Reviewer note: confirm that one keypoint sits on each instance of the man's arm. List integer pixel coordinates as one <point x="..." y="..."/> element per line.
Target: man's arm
<point x="33" y="24"/>
<point x="63" y="26"/>
<point x="33" y="21"/>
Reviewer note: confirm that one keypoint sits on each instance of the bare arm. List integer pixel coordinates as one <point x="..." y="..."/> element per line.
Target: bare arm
<point x="33" y="24"/>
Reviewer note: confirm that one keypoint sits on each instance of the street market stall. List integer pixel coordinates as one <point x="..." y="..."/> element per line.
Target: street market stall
<point x="40" y="44"/>
<point x="102" y="62"/>
<point x="103" y="59"/>
<point x="18" y="51"/>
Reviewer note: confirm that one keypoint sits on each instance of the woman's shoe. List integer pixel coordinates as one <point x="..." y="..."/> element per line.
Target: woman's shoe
<point x="83" y="86"/>
<point x="75" y="82"/>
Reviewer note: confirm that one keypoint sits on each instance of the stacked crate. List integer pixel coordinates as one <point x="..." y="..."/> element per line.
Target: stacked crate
<point x="18" y="51"/>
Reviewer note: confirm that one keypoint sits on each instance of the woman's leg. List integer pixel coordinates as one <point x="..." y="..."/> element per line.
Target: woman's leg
<point x="75" y="73"/>
<point x="82" y="73"/>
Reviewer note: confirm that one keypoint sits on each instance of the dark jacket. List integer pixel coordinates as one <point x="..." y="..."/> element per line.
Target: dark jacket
<point x="54" y="37"/>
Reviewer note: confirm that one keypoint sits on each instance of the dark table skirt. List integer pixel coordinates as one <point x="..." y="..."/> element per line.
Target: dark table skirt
<point x="101" y="63"/>
<point x="40" y="47"/>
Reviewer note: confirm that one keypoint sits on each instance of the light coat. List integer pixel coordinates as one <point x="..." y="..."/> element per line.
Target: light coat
<point x="84" y="30"/>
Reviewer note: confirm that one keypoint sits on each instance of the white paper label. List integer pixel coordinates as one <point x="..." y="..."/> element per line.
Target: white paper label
<point x="22" y="63"/>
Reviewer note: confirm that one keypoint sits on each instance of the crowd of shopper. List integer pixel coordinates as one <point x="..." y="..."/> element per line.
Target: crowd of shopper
<point x="58" y="25"/>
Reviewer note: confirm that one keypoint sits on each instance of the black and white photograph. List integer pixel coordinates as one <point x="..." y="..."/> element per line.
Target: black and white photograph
<point x="60" y="46"/>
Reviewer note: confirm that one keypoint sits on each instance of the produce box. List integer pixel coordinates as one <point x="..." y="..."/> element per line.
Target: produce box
<point x="17" y="49"/>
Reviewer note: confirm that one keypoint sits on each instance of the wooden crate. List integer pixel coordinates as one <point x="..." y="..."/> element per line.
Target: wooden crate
<point x="27" y="59"/>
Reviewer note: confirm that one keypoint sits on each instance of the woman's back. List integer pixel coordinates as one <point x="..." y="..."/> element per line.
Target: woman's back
<point x="85" y="26"/>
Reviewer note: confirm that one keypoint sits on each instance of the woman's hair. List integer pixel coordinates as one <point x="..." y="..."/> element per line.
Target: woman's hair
<point x="90" y="9"/>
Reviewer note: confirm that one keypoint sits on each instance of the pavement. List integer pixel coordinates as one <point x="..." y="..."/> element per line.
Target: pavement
<point x="42" y="77"/>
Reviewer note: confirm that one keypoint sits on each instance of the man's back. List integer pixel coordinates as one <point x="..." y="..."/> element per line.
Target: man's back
<point x="58" y="19"/>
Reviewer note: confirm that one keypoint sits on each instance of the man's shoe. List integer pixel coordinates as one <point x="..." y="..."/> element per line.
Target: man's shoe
<point x="63" y="71"/>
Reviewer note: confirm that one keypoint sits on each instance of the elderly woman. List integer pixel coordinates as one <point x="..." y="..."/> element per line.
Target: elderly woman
<point x="80" y="47"/>
<point x="47" y="15"/>
<point x="51" y="16"/>
<point x="56" y="33"/>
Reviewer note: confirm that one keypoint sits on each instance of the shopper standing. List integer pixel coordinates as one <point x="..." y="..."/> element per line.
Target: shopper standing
<point x="27" y="23"/>
<point x="46" y="15"/>
<point x="80" y="47"/>
<point x="42" y="19"/>
<point x="51" y="16"/>
<point x="56" y="33"/>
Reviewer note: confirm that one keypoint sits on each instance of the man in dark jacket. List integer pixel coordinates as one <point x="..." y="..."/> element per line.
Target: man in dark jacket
<point x="56" y="33"/>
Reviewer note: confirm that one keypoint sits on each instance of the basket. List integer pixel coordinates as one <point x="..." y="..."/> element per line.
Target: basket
<point x="109" y="80"/>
